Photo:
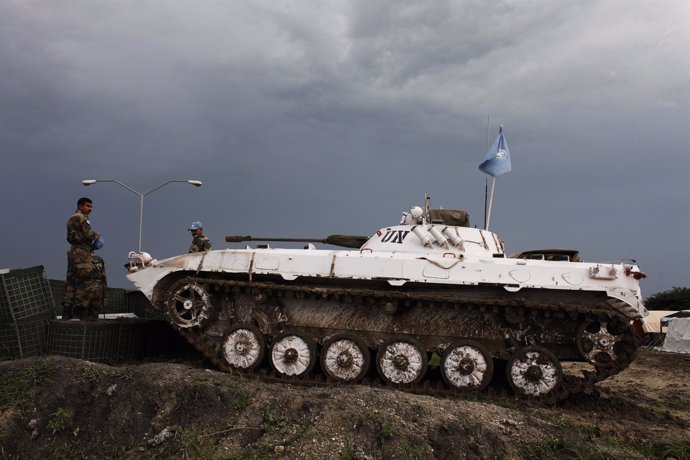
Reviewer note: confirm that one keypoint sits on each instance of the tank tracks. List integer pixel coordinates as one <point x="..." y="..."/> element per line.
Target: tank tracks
<point x="534" y="365"/>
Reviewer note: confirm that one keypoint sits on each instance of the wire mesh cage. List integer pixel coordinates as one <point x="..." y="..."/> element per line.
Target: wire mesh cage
<point x="57" y="289"/>
<point x="116" y="301"/>
<point x="24" y="337"/>
<point x="116" y="298"/>
<point x="29" y="304"/>
<point x="25" y="293"/>
<point x="107" y="341"/>
<point x="26" y="306"/>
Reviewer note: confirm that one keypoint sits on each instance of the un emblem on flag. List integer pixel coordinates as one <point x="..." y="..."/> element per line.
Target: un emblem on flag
<point x="501" y="154"/>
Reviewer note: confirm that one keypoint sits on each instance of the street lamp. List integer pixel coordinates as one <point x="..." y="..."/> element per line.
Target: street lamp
<point x="87" y="182"/>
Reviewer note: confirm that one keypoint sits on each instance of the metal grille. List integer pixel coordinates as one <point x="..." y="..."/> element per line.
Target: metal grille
<point x="57" y="288"/>
<point x="116" y="298"/>
<point x="109" y="341"/>
<point x="25" y="337"/>
<point x="117" y="302"/>
<point x="25" y="293"/>
<point x="26" y="305"/>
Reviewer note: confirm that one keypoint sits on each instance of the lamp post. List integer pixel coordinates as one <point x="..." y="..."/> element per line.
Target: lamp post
<point x="87" y="182"/>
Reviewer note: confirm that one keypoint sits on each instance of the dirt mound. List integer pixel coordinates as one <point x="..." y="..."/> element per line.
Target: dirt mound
<point x="56" y="407"/>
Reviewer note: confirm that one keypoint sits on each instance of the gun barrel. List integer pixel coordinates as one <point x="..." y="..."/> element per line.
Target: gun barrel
<point x="348" y="241"/>
<point x="239" y="239"/>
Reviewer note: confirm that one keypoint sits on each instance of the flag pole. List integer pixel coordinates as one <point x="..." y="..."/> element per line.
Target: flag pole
<point x="486" y="179"/>
<point x="491" y="196"/>
<point x="491" y="202"/>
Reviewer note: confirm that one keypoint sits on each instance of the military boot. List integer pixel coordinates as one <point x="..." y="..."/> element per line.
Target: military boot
<point x="91" y="314"/>
<point x="81" y="313"/>
<point x="67" y="312"/>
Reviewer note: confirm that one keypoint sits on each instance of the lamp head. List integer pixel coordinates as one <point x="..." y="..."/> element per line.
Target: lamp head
<point x="195" y="183"/>
<point x="88" y="182"/>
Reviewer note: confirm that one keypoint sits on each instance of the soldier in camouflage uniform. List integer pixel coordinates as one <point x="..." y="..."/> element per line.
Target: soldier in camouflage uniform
<point x="85" y="285"/>
<point x="200" y="242"/>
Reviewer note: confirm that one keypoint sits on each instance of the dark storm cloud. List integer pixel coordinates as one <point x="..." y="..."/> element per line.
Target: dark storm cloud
<point x="310" y="118"/>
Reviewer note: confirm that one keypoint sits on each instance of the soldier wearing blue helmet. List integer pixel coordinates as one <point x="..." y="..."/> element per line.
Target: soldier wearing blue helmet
<point x="200" y="242"/>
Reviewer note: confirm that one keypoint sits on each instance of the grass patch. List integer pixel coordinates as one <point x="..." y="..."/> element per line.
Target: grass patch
<point x="386" y="429"/>
<point x="194" y="444"/>
<point x="17" y="389"/>
<point x="67" y="451"/>
<point x="559" y="449"/>
<point x="678" y="450"/>
<point x="198" y="379"/>
<point x="60" y="420"/>
<point x="92" y="373"/>
<point x="269" y="451"/>
<point x="414" y="453"/>
<point x="273" y="422"/>
<point x="241" y="397"/>
<point x="348" y="452"/>
<point x="605" y="448"/>
<point x="470" y="426"/>
<point x="589" y="429"/>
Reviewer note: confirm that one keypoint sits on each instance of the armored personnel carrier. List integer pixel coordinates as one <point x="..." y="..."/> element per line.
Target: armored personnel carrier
<point x="379" y="310"/>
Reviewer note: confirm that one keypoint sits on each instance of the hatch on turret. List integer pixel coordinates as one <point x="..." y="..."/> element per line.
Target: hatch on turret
<point x="567" y="255"/>
<point x="454" y="217"/>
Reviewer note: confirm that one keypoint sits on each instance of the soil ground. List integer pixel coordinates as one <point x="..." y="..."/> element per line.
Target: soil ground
<point x="57" y="407"/>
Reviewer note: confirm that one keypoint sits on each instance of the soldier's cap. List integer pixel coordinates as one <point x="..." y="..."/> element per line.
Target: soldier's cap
<point x="195" y="225"/>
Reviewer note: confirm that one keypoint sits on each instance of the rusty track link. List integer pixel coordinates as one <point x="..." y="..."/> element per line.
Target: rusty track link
<point x="571" y="385"/>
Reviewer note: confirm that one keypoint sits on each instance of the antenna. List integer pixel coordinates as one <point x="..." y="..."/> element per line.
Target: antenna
<point x="427" y="202"/>
<point x="486" y="179"/>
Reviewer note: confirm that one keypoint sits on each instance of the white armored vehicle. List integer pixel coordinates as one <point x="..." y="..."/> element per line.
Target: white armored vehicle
<point x="380" y="310"/>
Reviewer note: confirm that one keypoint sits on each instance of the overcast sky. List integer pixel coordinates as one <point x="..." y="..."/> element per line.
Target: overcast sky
<point x="309" y="118"/>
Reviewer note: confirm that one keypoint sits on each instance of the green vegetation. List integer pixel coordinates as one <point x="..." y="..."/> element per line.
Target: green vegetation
<point x="589" y="429"/>
<point x="273" y="422"/>
<point x="566" y="448"/>
<point x="348" y="453"/>
<point x="415" y="453"/>
<point x="17" y="390"/>
<point x="269" y="451"/>
<point x="471" y="426"/>
<point x="677" y="298"/>
<point x="241" y="397"/>
<point x="60" y="420"/>
<point x="194" y="444"/>
<point x="605" y="448"/>
<point x="386" y="430"/>
<point x="679" y="450"/>
<point x="199" y="379"/>
<point x="68" y="451"/>
<point x="94" y="373"/>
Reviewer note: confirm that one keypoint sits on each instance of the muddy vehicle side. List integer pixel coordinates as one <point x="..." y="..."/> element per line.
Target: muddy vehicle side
<point x="431" y="284"/>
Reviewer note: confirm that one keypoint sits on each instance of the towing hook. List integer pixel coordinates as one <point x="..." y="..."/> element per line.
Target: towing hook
<point x="635" y="274"/>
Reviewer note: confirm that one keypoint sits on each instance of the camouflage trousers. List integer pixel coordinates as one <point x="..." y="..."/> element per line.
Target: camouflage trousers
<point x="85" y="285"/>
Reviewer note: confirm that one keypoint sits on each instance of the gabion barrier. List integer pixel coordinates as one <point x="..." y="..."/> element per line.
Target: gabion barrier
<point x="29" y="304"/>
<point x="109" y="341"/>
<point x="116" y="298"/>
<point x="26" y="305"/>
<point x="114" y="341"/>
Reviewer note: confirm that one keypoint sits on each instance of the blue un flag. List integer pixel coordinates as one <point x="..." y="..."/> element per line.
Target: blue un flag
<point x="497" y="159"/>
